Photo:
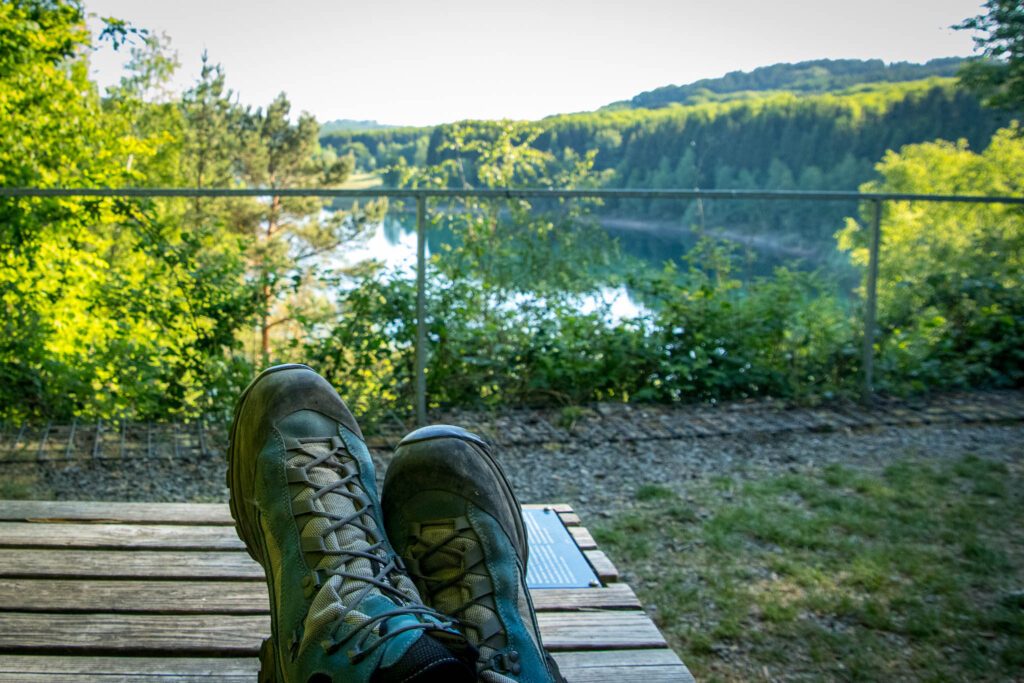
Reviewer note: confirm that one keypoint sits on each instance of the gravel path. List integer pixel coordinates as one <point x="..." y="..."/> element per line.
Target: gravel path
<point x="596" y="479"/>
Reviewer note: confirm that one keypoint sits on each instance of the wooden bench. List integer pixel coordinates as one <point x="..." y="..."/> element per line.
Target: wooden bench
<point x="166" y="592"/>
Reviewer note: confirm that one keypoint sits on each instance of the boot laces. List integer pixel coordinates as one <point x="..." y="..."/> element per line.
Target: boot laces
<point x="446" y="559"/>
<point x="347" y="552"/>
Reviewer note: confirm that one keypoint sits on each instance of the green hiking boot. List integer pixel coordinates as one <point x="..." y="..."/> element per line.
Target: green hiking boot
<point x="304" y="501"/>
<point x="452" y="516"/>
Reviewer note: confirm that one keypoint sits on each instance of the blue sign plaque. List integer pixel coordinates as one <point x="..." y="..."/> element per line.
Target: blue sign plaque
<point x="555" y="560"/>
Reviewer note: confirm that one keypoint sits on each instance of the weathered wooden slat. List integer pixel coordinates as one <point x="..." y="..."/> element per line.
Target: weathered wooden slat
<point x="632" y="666"/>
<point x="137" y="666"/>
<point x="125" y="678"/>
<point x="229" y="597"/>
<point x="151" y="597"/>
<point x="620" y="674"/>
<point x="218" y="634"/>
<point x="582" y="536"/>
<point x="569" y="518"/>
<point x="623" y="658"/>
<point x="598" y="630"/>
<point x="149" y="513"/>
<point x="155" y="513"/>
<point x="111" y="536"/>
<point x="625" y="666"/>
<point x="242" y="634"/>
<point x="602" y="566"/>
<point x="613" y="596"/>
<point x="154" y="564"/>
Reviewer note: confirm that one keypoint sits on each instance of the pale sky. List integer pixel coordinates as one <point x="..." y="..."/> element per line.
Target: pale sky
<point x="423" y="62"/>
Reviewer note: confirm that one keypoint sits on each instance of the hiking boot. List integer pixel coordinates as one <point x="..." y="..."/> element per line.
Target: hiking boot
<point x="304" y="501"/>
<point x="453" y="518"/>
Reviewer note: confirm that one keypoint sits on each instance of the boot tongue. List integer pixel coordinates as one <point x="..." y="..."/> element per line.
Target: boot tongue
<point x="426" y="661"/>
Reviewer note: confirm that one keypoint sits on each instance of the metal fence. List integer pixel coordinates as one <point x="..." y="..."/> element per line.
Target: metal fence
<point x="875" y="200"/>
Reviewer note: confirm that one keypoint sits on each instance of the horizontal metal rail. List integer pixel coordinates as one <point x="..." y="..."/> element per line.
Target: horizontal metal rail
<point x="422" y="194"/>
<point x="509" y="193"/>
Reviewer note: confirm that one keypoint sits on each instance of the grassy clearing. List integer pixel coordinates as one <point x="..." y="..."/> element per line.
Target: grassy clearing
<point x="915" y="572"/>
<point x="363" y="181"/>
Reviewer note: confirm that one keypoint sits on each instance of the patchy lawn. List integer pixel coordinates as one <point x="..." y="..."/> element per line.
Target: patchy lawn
<point x="911" y="573"/>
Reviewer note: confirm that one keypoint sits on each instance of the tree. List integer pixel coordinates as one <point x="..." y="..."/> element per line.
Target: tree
<point x="999" y="74"/>
<point x="109" y="307"/>
<point x="950" y="292"/>
<point x="290" y="232"/>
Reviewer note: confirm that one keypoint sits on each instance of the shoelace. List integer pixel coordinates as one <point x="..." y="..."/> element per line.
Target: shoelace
<point x="385" y="565"/>
<point x="456" y="555"/>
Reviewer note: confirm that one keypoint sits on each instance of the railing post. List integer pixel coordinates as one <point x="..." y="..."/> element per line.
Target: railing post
<point x="872" y="303"/>
<point x="421" y="304"/>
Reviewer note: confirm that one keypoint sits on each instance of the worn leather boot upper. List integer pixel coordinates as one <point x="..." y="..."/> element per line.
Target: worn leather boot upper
<point x="454" y="519"/>
<point x="303" y="495"/>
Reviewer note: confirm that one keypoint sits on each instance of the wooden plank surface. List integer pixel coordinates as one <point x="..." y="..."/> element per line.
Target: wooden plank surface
<point x="228" y="634"/>
<point x="127" y="678"/>
<point x="159" y="513"/>
<point x="149" y="666"/>
<point x="230" y="597"/>
<point x="77" y="579"/>
<point x="91" y="511"/>
<point x="154" y="564"/>
<point x="584" y="541"/>
<point x="112" y="536"/>
<point x="621" y="666"/>
<point x="603" y="567"/>
<point x="212" y="634"/>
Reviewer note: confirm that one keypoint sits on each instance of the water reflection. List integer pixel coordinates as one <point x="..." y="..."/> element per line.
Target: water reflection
<point x="393" y="243"/>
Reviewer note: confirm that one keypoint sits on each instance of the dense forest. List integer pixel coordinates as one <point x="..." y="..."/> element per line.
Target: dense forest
<point x="149" y="308"/>
<point x="818" y="76"/>
<point x="766" y="140"/>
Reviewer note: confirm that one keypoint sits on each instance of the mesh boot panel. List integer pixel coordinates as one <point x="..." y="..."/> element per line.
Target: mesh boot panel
<point x="452" y="583"/>
<point x="340" y="593"/>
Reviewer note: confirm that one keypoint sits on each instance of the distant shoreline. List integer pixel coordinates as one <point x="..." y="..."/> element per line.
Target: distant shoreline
<point x="761" y="242"/>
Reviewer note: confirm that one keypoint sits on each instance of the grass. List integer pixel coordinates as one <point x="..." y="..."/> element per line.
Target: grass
<point x="363" y="181"/>
<point x="911" y="573"/>
<point x="16" y="485"/>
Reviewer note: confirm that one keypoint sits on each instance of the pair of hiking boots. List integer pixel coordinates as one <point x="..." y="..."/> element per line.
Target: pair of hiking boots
<point x="428" y="584"/>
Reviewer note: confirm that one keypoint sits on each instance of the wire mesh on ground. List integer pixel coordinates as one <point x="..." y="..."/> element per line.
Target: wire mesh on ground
<point x="90" y="441"/>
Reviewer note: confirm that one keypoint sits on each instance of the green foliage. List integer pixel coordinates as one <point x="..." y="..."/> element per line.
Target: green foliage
<point x="707" y="339"/>
<point x="772" y="141"/>
<point x="110" y="307"/>
<point x="149" y="308"/>
<point x="950" y="298"/>
<point x="822" y="75"/>
<point x="999" y="74"/>
<point x="289" y="232"/>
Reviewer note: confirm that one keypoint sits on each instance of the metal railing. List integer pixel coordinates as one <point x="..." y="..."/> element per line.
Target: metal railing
<point x="421" y="196"/>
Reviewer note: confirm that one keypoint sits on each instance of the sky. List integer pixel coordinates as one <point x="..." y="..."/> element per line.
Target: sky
<point x="424" y="62"/>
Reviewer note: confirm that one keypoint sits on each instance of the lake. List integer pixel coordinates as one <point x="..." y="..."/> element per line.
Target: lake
<point x="393" y="243"/>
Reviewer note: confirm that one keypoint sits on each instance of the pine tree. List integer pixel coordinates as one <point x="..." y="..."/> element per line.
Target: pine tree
<point x="291" y="231"/>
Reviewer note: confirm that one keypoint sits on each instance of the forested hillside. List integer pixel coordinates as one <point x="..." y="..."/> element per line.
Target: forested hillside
<point x="782" y="141"/>
<point x="769" y="140"/>
<point x="817" y="76"/>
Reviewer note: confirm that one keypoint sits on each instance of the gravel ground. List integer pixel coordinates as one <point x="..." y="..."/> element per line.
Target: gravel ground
<point x="596" y="480"/>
